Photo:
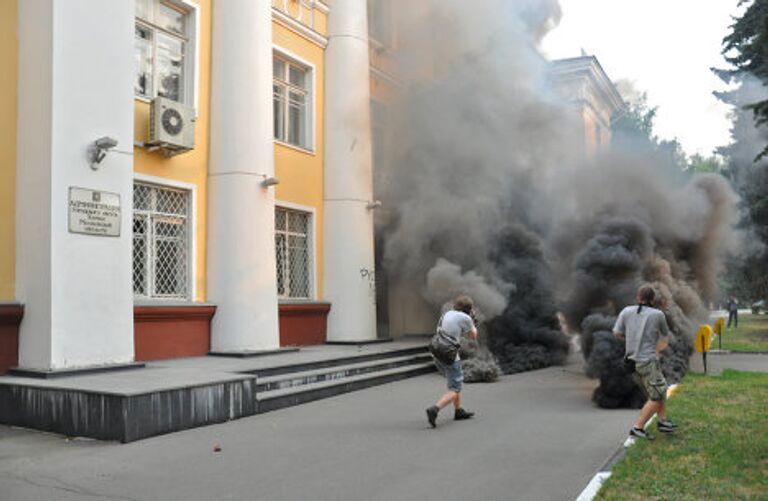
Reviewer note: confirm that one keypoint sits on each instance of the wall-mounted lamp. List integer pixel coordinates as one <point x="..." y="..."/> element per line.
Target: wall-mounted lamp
<point x="270" y="181"/>
<point x="373" y="205"/>
<point x="99" y="149"/>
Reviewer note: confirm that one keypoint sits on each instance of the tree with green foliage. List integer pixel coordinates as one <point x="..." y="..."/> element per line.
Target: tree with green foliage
<point x="746" y="49"/>
<point x="699" y="164"/>
<point x="633" y="129"/>
<point x="747" y="275"/>
<point x="673" y="150"/>
<point x="637" y="119"/>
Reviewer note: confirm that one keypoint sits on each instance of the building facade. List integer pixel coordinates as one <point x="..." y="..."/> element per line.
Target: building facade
<point x="167" y="184"/>
<point x="184" y="177"/>
<point x="584" y="85"/>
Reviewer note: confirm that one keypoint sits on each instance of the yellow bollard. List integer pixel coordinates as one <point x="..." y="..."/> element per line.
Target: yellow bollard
<point x="703" y="342"/>
<point x="720" y="330"/>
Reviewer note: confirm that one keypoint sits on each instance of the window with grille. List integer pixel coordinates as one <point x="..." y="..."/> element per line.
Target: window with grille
<point x="291" y="98"/>
<point x="160" y="242"/>
<point x="161" y="46"/>
<point x="292" y="246"/>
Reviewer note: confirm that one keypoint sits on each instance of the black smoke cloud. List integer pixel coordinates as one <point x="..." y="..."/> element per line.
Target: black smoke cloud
<point x="490" y="193"/>
<point x="468" y="151"/>
<point x="670" y="232"/>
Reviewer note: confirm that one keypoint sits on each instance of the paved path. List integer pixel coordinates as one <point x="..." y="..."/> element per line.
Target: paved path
<point x="716" y="362"/>
<point x="536" y="437"/>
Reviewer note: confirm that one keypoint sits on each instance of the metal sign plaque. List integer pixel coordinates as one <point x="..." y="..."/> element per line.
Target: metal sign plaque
<point x="94" y="212"/>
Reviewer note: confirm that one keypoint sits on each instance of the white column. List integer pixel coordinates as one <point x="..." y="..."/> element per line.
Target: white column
<point x="75" y="85"/>
<point x="348" y="242"/>
<point x="241" y="213"/>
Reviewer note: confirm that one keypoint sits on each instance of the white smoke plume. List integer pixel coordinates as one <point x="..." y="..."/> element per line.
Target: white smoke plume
<point x="445" y="281"/>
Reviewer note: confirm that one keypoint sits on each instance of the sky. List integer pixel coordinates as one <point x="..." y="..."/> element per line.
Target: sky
<point x="666" y="48"/>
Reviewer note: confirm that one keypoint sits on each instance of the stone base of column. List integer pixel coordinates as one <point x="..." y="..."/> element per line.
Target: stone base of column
<point x="370" y="341"/>
<point x="253" y="353"/>
<point x="51" y="374"/>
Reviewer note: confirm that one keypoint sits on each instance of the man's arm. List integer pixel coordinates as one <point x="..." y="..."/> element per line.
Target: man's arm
<point x="470" y="325"/>
<point x="663" y="341"/>
<point x="618" y="328"/>
<point x="661" y="346"/>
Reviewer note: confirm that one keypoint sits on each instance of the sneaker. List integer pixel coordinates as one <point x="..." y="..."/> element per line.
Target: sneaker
<point x="460" y="414"/>
<point x="640" y="433"/>
<point x="432" y="415"/>
<point x="666" y="426"/>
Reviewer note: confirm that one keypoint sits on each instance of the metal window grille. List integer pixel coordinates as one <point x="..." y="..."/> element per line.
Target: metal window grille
<point x="160" y="242"/>
<point x="292" y="248"/>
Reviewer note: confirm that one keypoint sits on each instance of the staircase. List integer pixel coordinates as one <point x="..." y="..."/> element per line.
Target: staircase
<point x="280" y="387"/>
<point x="174" y="395"/>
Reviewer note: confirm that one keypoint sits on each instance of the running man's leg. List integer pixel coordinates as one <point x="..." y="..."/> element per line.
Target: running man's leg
<point x="448" y="397"/>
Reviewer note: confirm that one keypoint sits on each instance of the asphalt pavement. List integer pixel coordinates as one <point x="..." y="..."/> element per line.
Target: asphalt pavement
<point x="717" y="361"/>
<point x="536" y="436"/>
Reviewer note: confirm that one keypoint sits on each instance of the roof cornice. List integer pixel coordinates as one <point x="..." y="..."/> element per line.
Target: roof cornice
<point x="589" y="67"/>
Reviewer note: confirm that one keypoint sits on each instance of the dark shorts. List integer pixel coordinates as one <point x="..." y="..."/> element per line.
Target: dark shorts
<point x="650" y="379"/>
<point x="454" y="374"/>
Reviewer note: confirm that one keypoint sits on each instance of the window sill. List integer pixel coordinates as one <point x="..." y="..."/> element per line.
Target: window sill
<point x="378" y="46"/>
<point x="285" y="300"/>
<point x="297" y="148"/>
<point x="168" y="302"/>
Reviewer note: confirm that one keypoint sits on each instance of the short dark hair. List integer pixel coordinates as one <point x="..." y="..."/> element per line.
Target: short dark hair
<point x="463" y="303"/>
<point x="646" y="293"/>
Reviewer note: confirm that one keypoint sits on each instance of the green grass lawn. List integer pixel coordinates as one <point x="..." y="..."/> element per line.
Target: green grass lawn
<point x="751" y="335"/>
<point x="720" y="451"/>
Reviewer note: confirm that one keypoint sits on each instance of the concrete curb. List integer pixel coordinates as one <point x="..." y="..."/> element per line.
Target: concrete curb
<point x="604" y="473"/>
<point x="731" y="352"/>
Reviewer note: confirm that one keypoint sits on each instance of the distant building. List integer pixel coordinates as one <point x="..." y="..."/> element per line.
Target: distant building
<point x="582" y="83"/>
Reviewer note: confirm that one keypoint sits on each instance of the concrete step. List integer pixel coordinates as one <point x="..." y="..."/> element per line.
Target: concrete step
<point x="158" y="399"/>
<point x="337" y="372"/>
<point x="320" y="364"/>
<point x="295" y="395"/>
<point x="126" y="416"/>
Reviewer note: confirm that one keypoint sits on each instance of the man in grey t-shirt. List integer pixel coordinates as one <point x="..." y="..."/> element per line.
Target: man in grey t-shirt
<point x="454" y="324"/>
<point x="645" y="333"/>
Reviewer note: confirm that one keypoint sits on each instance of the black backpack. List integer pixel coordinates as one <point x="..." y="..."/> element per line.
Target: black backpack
<point x="442" y="346"/>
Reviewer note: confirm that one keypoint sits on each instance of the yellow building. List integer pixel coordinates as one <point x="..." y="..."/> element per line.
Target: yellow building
<point x="180" y="177"/>
<point x="162" y="181"/>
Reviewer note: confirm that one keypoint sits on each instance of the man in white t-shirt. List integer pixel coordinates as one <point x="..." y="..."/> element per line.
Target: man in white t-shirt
<point x="454" y="324"/>
<point x="645" y="332"/>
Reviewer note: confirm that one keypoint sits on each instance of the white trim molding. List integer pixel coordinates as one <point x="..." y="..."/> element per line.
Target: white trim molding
<point x="194" y="39"/>
<point x="288" y="22"/>
<point x="192" y="58"/>
<point x="311" y="148"/>
<point x="386" y="77"/>
<point x="588" y="69"/>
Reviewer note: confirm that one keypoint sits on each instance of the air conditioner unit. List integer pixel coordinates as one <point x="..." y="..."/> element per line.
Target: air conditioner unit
<point x="171" y="126"/>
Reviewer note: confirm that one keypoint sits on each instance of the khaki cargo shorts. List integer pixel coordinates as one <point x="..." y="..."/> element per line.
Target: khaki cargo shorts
<point x="650" y="379"/>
